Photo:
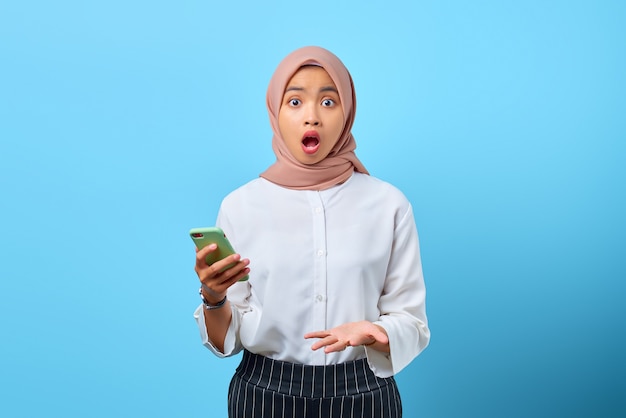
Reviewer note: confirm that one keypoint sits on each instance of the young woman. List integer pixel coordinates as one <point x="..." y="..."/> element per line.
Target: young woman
<point x="335" y="301"/>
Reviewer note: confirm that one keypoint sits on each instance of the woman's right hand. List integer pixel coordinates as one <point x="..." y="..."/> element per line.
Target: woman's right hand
<point x="216" y="283"/>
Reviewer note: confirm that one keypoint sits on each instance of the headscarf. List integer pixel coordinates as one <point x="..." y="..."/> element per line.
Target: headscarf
<point x="341" y="162"/>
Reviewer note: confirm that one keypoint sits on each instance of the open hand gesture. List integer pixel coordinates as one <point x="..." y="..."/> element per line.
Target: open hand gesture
<point x="349" y="335"/>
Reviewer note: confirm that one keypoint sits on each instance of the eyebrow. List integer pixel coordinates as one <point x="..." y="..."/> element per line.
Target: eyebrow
<point x="329" y="88"/>
<point x="322" y="90"/>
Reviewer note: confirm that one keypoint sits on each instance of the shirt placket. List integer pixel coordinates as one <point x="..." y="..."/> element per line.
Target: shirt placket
<point x="319" y="293"/>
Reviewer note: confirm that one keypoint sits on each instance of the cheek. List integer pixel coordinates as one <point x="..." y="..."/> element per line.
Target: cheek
<point x="338" y="123"/>
<point x="286" y="128"/>
<point x="283" y="123"/>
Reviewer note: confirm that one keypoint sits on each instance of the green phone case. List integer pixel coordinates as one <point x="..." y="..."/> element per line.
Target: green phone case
<point x="208" y="235"/>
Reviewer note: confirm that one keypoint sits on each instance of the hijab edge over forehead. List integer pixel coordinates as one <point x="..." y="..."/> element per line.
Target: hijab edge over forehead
<point x="341" y="162"/>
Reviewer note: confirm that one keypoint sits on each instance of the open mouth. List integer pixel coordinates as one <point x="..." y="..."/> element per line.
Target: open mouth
<point x="310" y="142"/>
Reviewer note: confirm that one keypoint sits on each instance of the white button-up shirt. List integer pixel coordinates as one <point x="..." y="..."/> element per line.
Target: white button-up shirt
<point x="319" y="259"/>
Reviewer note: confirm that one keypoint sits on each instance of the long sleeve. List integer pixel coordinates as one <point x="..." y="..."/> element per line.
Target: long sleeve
<point x="403" y="303"/>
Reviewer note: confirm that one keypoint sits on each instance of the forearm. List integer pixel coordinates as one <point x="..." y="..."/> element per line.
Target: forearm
<point x="216" y="322"/>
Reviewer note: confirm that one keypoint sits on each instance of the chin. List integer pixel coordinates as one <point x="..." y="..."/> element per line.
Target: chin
<point x="308" y="159"/>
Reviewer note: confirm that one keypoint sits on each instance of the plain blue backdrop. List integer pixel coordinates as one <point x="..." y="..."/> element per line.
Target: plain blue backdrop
<point x="124" y="123"/>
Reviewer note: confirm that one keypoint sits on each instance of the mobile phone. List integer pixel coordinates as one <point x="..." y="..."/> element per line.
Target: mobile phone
<point x="214" y="235"/>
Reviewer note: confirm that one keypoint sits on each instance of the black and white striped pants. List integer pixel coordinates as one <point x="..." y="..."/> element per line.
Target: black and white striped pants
<point x="266" y="388"/>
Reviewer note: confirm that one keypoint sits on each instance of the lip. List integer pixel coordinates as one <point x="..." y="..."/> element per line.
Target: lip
<point x="310" y="142"/>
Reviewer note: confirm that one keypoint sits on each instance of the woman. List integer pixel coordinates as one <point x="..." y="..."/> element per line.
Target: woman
<point x="335" y="301"/>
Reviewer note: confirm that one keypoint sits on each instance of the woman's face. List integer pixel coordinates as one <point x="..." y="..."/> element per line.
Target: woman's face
<point x="310" y="117"/>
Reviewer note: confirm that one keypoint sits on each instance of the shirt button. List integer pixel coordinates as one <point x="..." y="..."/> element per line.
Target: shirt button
<point x="319" y="298"/>
<point x="320" y="252"/>
<point x="318" y="210"/>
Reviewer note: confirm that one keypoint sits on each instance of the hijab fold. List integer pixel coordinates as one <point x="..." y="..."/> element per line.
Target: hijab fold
<point x="341" y="162"/>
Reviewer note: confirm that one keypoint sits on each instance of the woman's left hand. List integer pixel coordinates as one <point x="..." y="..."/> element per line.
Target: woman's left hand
<point x="349" y="335"/>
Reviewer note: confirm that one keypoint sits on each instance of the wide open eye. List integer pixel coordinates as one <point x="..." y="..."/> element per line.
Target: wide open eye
<point x="294" y="102"/>
<point x="328" y="102"/>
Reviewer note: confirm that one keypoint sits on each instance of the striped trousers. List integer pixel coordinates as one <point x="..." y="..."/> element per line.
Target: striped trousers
<point x="266" y="388"/>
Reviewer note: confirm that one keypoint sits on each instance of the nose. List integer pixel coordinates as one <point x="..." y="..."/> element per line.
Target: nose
<point x="312" y="118"/>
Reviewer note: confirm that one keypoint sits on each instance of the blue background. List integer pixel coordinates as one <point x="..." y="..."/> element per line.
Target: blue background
<point x="124" y="123"/>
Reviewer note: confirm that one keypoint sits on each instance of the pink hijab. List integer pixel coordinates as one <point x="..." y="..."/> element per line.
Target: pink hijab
<point x="339" y="165"/>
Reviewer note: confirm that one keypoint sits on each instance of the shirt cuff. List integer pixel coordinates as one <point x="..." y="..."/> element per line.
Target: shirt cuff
<point x="229" y="341"/>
